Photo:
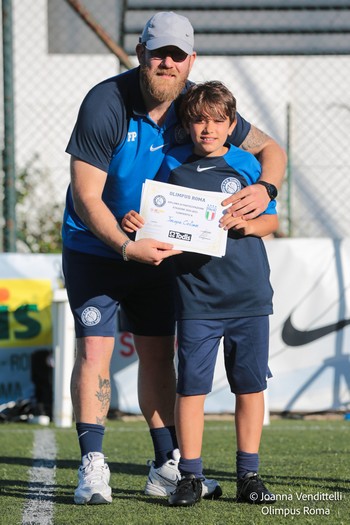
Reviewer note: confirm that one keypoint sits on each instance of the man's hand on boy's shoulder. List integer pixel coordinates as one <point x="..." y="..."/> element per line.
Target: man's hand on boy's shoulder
<point x="249" y="202"/>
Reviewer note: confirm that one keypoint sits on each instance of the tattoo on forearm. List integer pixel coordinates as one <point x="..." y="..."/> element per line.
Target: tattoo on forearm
<point x="255" y="139"/>
<point x="103" y="394"/>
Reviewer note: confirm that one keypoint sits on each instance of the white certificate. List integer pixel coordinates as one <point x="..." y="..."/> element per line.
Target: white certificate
<point x="185" y="217"/>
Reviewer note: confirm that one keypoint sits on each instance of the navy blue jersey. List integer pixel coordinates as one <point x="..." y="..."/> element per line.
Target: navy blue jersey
<point x="114" y="133"/>
<point x="236" y="285"/>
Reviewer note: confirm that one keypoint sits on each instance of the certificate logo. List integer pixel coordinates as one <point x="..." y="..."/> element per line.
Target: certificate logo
<point x="210" y="212"/>
<point x="179" y="236"/>
<point x="230" y="185"/>
<point x="159" y="201"/>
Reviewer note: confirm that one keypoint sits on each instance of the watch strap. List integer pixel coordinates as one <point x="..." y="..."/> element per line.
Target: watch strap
<point x="270" y="188"/>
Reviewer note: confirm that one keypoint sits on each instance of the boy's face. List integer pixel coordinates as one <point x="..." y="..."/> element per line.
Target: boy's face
<point x="209" y="135"/>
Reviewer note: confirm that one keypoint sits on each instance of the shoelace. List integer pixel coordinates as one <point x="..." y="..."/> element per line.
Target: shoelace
<point x="252" y="479"/>
<point x="184" y="483"/>
<point x="93" y="473"/>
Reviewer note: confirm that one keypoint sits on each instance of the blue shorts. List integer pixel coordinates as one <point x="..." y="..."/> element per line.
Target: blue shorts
<point x="246" y="349"/>
<point x="96" y="286"/>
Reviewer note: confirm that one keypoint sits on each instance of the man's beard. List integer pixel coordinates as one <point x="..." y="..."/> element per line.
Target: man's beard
<point x="162" y="89"/>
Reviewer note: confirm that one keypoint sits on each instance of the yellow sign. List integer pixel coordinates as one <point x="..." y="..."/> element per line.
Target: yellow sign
<point x="25" y="312"/>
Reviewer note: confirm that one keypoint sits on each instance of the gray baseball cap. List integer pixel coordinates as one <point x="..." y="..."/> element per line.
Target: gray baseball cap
<point x="168" y="29"/>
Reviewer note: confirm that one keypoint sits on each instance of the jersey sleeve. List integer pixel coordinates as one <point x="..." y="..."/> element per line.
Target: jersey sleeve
<point x="271" y="208"/>
<point x="98" y="128"/>
<point x="173" y="159"/>
<point x="240" y="132"/>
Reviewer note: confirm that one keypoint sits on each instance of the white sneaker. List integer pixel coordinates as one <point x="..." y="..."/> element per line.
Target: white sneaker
<point x="93" y="477"/>
<point x="162" y="481"/>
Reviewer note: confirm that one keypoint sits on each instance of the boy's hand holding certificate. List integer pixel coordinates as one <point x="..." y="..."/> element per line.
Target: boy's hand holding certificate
<point x="185" y="217"/>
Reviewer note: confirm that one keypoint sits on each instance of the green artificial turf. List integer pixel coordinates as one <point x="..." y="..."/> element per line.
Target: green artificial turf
<point x="306" y="463"/>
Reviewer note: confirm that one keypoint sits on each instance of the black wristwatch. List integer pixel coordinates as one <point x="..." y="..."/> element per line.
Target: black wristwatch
<point x="270" y="188"/>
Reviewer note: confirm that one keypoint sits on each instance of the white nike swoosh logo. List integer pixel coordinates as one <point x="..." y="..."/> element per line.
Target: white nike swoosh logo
<point x="154" y="148"/>
<point x="204" y="169"/>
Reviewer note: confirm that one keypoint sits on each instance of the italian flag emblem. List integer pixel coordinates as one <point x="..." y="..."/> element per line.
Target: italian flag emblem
<point x="210" y="212"/>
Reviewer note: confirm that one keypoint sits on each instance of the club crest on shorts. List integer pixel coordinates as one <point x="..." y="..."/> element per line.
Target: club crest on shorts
<point x="231" y="185"/>
<point x="91" y="316"/>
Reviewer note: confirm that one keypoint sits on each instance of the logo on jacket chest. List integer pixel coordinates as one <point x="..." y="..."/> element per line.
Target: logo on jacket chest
<point x="231" y="185"/>
<point x="181" y="135"/>
<point x="132" y="136"/>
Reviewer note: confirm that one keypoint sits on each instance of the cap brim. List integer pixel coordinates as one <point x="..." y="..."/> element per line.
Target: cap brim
<point x="156" y="43"/>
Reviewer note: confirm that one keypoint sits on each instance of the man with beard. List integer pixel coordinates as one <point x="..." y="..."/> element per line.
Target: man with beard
<point x="125" y="126"/>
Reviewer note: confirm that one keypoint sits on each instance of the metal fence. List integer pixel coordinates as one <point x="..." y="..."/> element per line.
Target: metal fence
<point x="287" y="62"/>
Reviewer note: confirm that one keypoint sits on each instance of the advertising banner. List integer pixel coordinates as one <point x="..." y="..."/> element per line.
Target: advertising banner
<point x="25" y="328"/>
<point x="309" y="330"/>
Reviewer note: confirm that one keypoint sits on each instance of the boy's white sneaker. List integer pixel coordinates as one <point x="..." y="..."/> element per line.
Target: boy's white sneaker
<point x="94" y="475"/>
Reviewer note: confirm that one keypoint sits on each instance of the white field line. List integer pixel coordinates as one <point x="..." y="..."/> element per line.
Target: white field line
<point x="38" y="508"/>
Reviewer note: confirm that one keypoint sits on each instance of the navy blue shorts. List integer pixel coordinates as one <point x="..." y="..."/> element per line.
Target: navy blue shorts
<point x="246" y="350"/>
<point x="96" y="286"/>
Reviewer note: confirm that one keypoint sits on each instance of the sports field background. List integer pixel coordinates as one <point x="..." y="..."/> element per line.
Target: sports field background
<point x="305" y="462"/>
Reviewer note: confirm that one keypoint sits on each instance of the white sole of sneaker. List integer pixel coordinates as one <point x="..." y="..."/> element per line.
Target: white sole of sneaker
<point x="96" y="499"/>
<point x="155" y="490"/>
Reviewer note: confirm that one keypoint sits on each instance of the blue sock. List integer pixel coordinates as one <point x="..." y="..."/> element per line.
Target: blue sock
<point x="191" y="466"/>
<point x="173" y="437"/>
<point x="246" y="462"/>
<point x="90" y="437"/>
<point x="164" y="442"/>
